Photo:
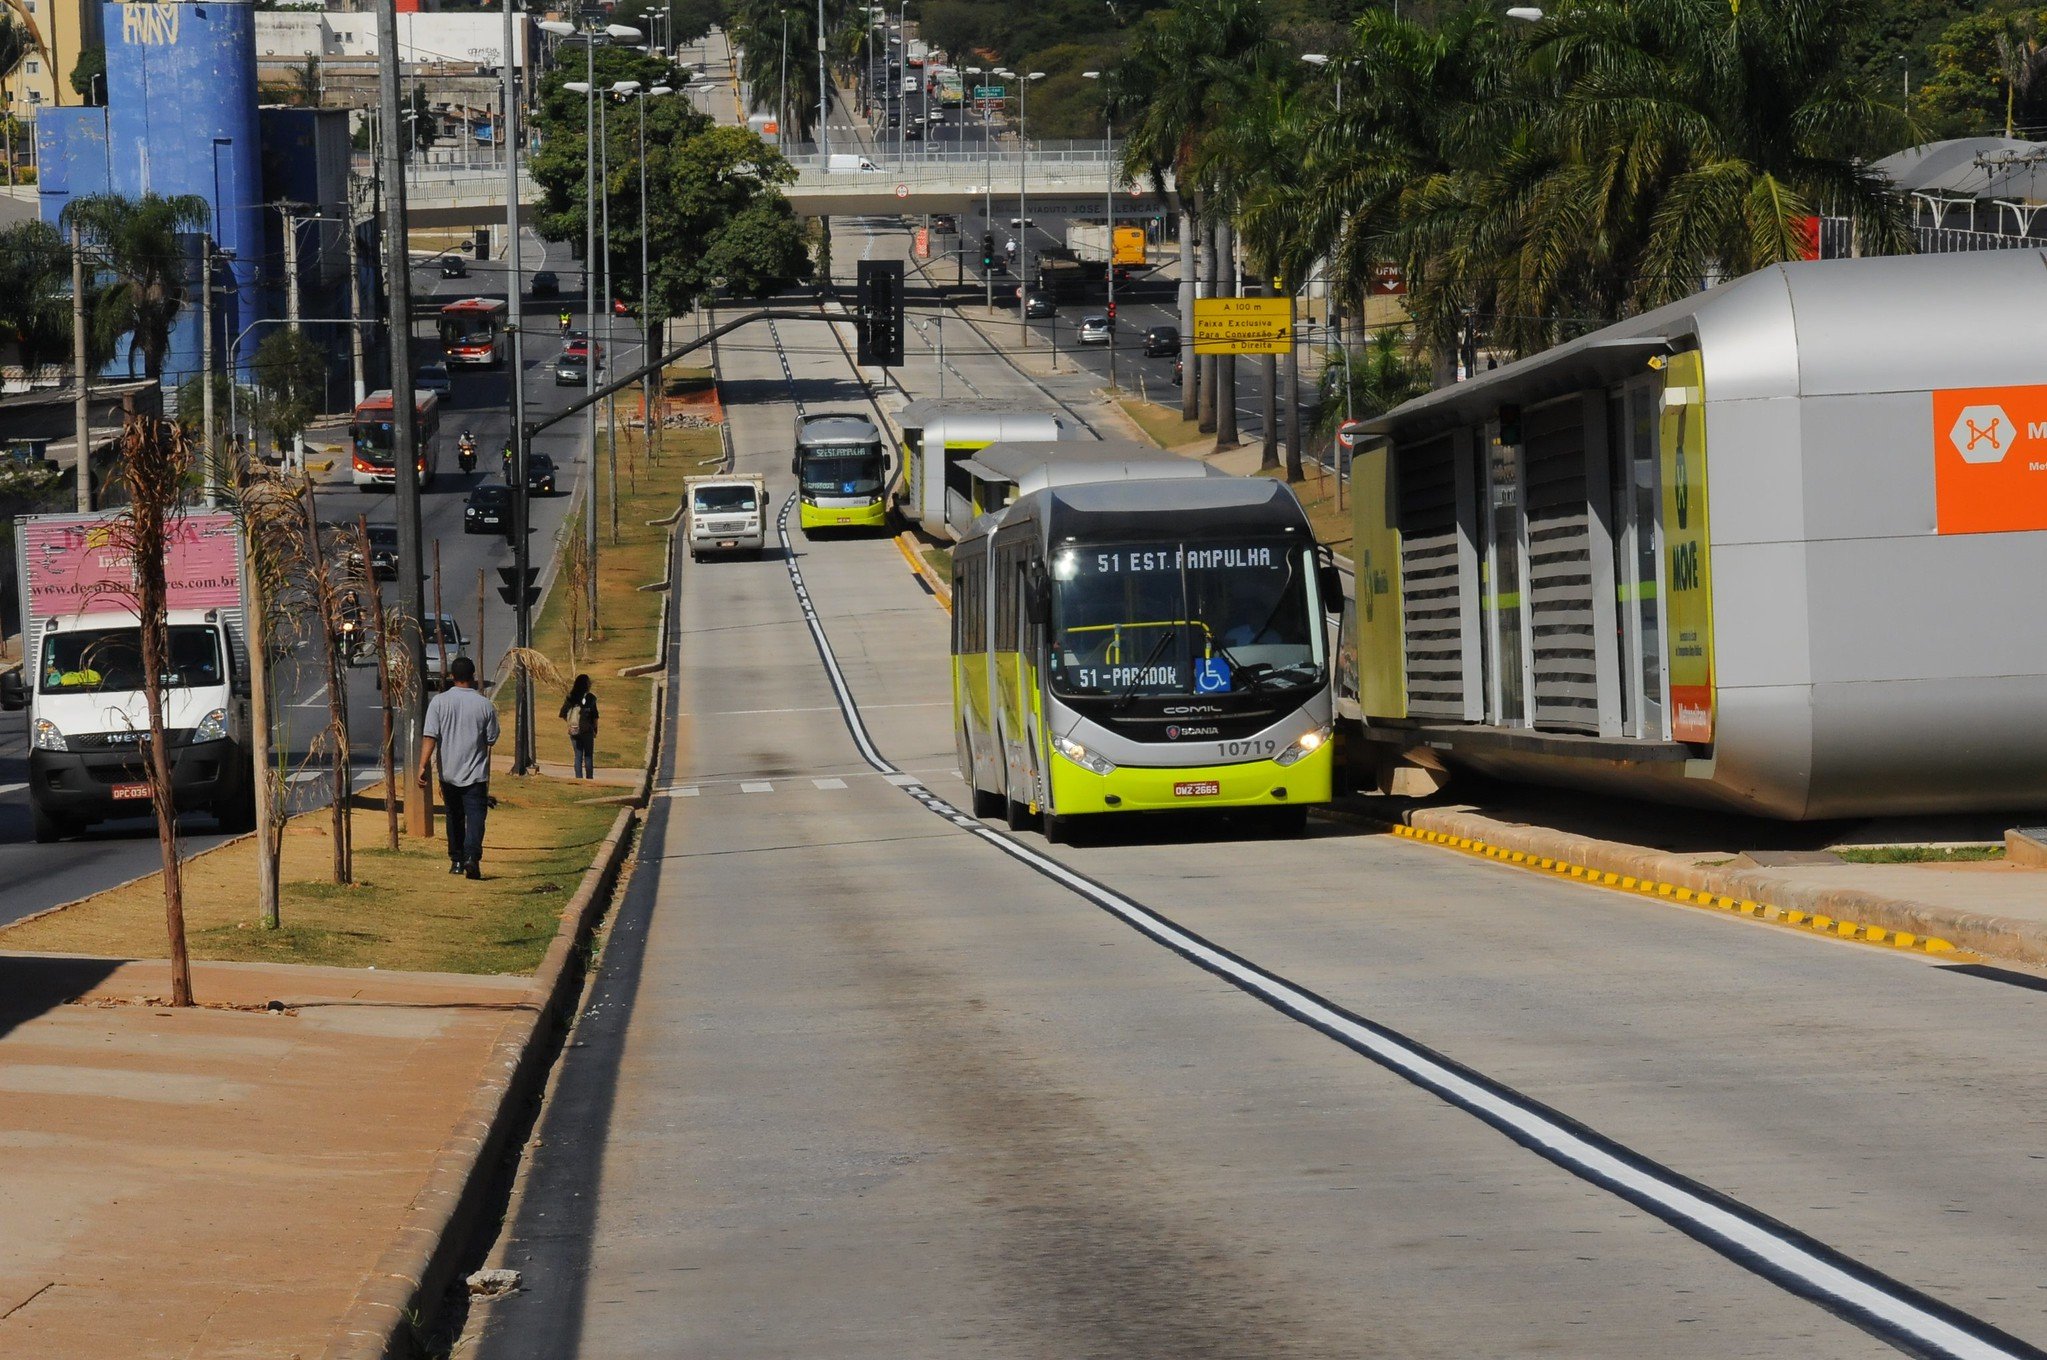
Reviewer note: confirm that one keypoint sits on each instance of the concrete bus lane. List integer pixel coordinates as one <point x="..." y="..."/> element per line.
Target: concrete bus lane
<point x="41" y="876"/>
<point x="856" y="1082"/>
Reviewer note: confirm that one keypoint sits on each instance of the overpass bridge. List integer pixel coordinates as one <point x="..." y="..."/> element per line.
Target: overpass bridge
<point x="1060" y="180"/>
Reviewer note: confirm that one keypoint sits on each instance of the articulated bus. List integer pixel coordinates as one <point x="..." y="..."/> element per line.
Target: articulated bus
<point x="473" y="333"/>
<point x="841" y="471"/>
<point x="937" y="436"/>
<point x="1143" y="646"/>
<point x="370" y="433"/>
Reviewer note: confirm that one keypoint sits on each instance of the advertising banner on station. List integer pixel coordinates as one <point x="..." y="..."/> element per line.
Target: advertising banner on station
<point x="1990" y="460"/>
<point x="1243" y="325"/>
<point x="1688" y="578"/>
<point x="1378" y="633"/>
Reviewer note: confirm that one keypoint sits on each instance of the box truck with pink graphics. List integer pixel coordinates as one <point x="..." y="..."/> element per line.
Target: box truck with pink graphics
<point x="81" y="674"/>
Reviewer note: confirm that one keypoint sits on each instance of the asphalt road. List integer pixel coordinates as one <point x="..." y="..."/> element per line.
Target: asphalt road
<point x="858" y="1077"/>
<point x="39" y="876"/>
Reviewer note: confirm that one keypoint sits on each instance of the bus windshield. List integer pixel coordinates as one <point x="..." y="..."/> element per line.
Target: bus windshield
<point x="90" y="660"/>
<point x="373" y="439"/>
<point x="468" y="330"/>
<point x="1165" y="617"/>
<point x="841" y="470"/>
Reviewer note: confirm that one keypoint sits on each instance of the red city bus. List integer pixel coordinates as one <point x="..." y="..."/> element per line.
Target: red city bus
<point x="473" y="333"/>
<point x="370" y="433"/>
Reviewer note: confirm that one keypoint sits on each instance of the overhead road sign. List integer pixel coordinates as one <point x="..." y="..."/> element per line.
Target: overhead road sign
<point x="1242" y="326"/>
<point x="988" y="92"/>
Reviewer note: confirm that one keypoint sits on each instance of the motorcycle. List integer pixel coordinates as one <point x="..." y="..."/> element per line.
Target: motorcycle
<point x="466" y="453"/>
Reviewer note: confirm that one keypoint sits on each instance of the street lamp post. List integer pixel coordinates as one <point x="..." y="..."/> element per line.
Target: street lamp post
<point x="515" y="288"/>
<point x="1023" y="211"/>
<point x="1109" y="200"/>
<point x="648" y="383"/>
<point x="592" y="138"/>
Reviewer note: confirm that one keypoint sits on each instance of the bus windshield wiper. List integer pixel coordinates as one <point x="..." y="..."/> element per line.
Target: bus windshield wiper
<point x="1123" y="699"/>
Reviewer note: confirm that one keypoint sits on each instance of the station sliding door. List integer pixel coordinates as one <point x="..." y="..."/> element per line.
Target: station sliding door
<point x="1634" y="414"/>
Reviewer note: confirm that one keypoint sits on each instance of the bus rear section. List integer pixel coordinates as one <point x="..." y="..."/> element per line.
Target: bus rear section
<point x="841" y="470"/>
<point x="1145" y="646"/>
<point x="370" y="435"/>
<point x="473" y="333"/>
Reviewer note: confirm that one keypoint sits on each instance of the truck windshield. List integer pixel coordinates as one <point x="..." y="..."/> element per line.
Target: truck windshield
<point x="101" y="660"/>
<point x="726" y="500"/>
<point x="1182" y="618"/>
<point x="849" y="470"/>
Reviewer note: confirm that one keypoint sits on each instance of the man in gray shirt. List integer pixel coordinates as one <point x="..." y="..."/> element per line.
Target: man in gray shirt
<point x="462" y="726"/>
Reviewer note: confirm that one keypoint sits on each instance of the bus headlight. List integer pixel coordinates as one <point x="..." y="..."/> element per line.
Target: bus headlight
<point x="1306" y="744"/>
<point x="1081" y="756"/>
<point x="212" y="727"/>
<point x="48" y="738"/>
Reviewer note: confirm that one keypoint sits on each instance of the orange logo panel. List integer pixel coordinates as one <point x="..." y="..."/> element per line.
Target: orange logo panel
<point x="1990" y="459"/>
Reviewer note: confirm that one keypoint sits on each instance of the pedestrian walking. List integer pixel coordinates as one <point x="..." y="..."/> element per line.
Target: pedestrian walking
<point x="461" y="727"/>
<point x="579" y="711"/>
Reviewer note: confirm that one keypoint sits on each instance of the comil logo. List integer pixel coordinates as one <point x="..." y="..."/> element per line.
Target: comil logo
<point x="1981" y="434"/>
<point x="1990" y="460"/>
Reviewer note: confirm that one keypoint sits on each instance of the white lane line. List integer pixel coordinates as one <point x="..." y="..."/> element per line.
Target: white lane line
<point x="756" y="786"/>
<point x="6" y="789"/>
<point x="1887" y="1309"/>
<point x="816" y="708"/>
<point x="317" y="699"/>
<point x="815" y="783"/>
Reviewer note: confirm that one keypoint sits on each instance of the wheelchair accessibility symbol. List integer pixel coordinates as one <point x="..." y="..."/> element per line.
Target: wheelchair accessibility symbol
<point x="1212" y="676"/>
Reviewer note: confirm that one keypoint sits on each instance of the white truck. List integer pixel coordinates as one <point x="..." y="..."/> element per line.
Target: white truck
<point x="81" y="674"/>
<point x="726" y="512"/>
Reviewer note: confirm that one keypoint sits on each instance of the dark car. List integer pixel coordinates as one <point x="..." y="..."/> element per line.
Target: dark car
<point x="452" y="267"/>
<point x="488" y="510"/>
<point x="1040" y="305"/>
<point x="1160" y="340"/>
<point x="944" y="222"/>
<point x="571" y="370"/>
<point x="547" y="283"/>
<point x="539" y="474"/>
<point x="914" y="133"/>
<point x="383" y="551"/>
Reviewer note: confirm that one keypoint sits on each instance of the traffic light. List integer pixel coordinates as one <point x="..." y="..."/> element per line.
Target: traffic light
<point x="1112" y="311"/>
<point x="881" y="312"/>
<point x="987" y="250"/>
<point x="509" y="591"/>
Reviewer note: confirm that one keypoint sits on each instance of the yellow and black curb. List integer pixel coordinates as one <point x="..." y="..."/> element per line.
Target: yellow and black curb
<point x="906" y="543"/>
<point x="1817" y="922"/>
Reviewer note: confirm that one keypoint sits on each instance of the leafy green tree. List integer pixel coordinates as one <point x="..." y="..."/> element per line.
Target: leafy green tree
<point x="14" y="47"/>
<point x="560" y="166"/>
<point x="290" y="373"/>
<point x="1371" y="380"/>
<point x="89" y="76"/>
<point x="142" y="245"/>
<point x="715" y="210"/>
<point x="1984" y="71"/>
<point x="35" y="292"/>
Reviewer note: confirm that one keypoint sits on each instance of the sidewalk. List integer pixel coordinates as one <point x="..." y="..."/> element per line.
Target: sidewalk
<point x="218" y="1182"/>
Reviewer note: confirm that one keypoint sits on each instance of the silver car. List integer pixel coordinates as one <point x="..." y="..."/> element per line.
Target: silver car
<point x="1094" y="330"/>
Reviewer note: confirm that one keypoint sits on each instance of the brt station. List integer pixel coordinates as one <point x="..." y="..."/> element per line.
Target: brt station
<point x="1774" y="549"/>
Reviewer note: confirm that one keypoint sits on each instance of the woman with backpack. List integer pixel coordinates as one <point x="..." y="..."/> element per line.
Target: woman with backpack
<point x="579" y="711"/>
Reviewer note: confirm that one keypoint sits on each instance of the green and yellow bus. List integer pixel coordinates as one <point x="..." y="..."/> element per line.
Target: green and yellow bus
<point x="1143" y="646"/>
<point x="841" y="469"/>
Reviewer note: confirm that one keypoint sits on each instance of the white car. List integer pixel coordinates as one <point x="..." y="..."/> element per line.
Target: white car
<point x="1094" y="330"/>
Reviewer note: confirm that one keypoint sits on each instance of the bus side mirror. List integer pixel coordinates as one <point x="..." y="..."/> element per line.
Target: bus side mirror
<point x="1331" y="581"/>
<point x="13" y="692"/>
<point x="795" y="465"/>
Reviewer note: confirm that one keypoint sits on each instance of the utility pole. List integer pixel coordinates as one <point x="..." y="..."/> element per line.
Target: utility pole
<point x="212" y="453"/>
<point x="81" y="414"/>
<point x="404" y="433"/>
<point x="522" y="515"/>
<point x="610" y="348"/>
<point x="824" y="92"/>
<point x="291" y="264"/>
<point x="590" y="145"/>
<point x="355" y="355"/>
<point x="260" y="753"/>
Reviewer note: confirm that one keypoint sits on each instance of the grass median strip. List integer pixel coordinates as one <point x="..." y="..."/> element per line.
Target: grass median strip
<point x="404" y="910"/>
<point x="628" y="618"/>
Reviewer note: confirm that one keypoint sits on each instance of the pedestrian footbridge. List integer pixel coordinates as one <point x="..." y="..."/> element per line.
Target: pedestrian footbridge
<point x="1057" y="181"/>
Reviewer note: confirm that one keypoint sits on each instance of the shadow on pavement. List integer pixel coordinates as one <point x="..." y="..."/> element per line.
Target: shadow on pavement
<point x="31" y="984"/>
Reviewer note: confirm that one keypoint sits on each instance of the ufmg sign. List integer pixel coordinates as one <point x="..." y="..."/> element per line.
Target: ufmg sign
<point x="154" y="25"/>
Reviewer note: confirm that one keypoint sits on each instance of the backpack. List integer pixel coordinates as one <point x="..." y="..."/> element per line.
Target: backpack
<point x="576" y="721"/>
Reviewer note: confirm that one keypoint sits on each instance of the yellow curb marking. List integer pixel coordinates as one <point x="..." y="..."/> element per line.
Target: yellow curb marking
<point x="1762" y="911"/>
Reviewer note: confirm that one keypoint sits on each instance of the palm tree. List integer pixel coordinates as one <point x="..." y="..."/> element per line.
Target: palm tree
<point x="778" y="76"/>
<point x="1190" y="67"/>
<point x="35" y="292"/>
<point x="142" y="243"/>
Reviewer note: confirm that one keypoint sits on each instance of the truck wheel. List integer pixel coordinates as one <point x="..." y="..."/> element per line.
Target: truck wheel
<point x="48" y="828"/>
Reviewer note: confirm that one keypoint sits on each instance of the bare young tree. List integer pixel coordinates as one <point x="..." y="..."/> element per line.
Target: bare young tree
<point x="271" y="524"/>
<point x="333" y="584"/>
<point x="382" y="635"/>
<point x="156" y="458"/>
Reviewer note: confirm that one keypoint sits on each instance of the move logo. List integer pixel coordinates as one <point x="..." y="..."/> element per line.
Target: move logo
<point x="1990" y="460"/>
<point x="1981" y="434"/>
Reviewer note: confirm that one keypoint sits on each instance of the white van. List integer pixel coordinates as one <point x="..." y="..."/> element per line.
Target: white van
<point x="840" y="160"/>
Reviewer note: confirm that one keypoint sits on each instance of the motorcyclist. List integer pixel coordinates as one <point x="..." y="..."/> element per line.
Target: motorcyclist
<point x="565" y="320"/>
